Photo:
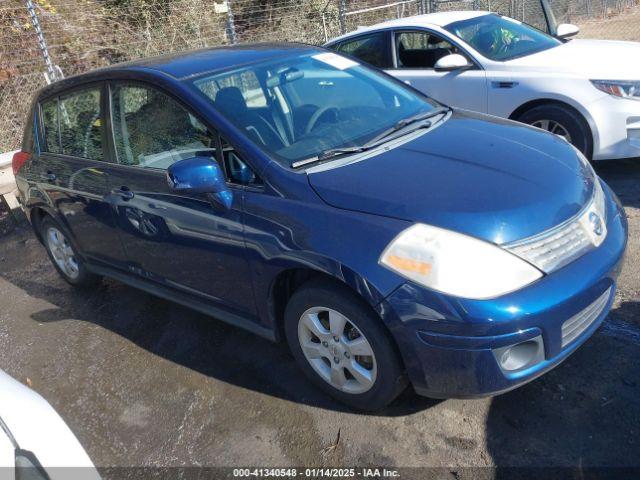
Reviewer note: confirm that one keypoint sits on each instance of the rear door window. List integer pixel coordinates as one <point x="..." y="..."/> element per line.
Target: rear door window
<point x="373" y="49"/>
<point x="80" y="120"/>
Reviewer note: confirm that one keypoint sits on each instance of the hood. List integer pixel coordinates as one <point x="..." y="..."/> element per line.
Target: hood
<point x="593" y="59"/>
<point x="483" y="176"/>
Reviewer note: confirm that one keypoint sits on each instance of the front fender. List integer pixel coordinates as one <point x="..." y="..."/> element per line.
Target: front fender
<point x="284" y="234"/>
<point x="508" y="103"/>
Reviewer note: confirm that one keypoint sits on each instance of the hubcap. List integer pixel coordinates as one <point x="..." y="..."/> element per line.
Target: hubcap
<point x="62" y="253"/>
<point x="553" y="127"/>
<point x="337" y="350"/>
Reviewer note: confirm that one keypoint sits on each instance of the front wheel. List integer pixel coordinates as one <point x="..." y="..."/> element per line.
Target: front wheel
<point x="562" y="121"/>
<point x="342" y="346"/>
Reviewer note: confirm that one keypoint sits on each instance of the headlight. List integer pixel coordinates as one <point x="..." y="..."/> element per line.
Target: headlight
<point x="598" y="201"/>
<point x="594" y="220"/>
<point x="456" y="264"/>
<point x="623" y="89"/>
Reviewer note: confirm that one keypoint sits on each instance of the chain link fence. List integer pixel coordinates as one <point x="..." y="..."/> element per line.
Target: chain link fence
<point x="83" y="34"/>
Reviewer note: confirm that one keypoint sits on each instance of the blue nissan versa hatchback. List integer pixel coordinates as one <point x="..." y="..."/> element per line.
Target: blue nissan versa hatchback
<point x="293" y="192"/>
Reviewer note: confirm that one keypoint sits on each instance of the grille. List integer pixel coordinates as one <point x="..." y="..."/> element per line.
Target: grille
<point x="556" y="248"/>
<point x="573" y="328"/>
<point x="560" y="245"/>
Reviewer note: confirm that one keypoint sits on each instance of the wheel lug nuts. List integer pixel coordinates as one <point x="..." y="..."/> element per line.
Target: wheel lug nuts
<point x="346" y="354"/>
<point x="325" y="344"/>
<point x="336" y="360"/>
<point x="336" y="339"/>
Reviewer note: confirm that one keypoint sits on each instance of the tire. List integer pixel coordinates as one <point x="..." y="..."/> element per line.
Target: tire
<point x="545" y="116"/>
<point x="369" y="382"/>
<point x="63" y="254"/>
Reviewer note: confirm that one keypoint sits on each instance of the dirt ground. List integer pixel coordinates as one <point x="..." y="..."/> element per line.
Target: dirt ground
<point x="144" y="382"/>
<point x="619" y="27"/>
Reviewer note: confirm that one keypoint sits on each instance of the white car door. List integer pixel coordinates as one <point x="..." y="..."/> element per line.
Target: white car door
<point x="415" y="55"/>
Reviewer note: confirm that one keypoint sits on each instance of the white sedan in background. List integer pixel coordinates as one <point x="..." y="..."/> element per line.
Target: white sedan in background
<point x="35" y="443"/>
<point x="587" y="91"/>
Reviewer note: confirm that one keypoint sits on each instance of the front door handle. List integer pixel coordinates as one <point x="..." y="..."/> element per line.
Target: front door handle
<point x="124" y="192"/>
<point x="504" y="84"/>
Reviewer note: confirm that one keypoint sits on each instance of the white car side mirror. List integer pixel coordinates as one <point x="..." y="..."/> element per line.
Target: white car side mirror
<point x="451" y="62"/>
<point x="566" y="30"/>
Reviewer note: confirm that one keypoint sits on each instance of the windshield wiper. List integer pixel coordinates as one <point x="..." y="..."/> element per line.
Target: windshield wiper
<point x="376" y="141"/>
<point x="405" y="122"/>
<point x="327" y="154"/>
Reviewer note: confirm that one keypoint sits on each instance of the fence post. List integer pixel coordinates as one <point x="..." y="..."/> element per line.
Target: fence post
<point x="52" y="73"/>
<point x="342" y="14"/>
<point x="231" y="26"/>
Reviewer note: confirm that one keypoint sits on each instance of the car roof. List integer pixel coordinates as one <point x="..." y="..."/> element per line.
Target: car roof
<point x="188" y="64"/>
<point x="440" y="19"/>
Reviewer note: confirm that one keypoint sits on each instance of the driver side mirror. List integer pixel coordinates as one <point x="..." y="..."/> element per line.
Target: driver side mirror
<point x="200" y="175"/>
<point x="452" y="62"/>
<point x="566" y="30"/>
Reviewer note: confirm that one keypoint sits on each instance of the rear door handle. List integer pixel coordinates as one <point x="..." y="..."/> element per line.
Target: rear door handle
<point x="123" y="192"/>
<point x="49" y="176"/>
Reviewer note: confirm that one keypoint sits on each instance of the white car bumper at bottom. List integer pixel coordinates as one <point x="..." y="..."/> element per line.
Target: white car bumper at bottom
<point x="617" y="122"/>
<point x="34" y="440"/>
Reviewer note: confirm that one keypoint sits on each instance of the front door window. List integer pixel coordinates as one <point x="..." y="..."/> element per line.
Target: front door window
<point x="152" y="130"/>
<point x="421" y="49"/>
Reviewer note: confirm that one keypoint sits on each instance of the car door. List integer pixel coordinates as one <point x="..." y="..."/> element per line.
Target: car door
<point x="71" y="171"/>
<point x="415" y="54"/>
<point x="185" y="241"/>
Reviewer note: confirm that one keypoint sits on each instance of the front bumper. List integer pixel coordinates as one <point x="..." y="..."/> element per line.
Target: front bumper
<point x="449" y="344"/>
<point x="617" y="128"/>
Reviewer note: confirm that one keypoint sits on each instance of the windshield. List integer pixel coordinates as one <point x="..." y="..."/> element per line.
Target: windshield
<point x="501" y="38"/>
<point x="296" y="108"/>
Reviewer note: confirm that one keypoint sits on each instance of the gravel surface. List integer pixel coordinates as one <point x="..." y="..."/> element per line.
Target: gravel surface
<point x="615" y="27"/>
<point x="142" y="381"/>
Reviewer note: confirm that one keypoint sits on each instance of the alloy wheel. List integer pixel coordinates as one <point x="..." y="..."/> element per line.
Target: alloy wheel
<point x="62" y="253"/>
<point x="337" y="350"/>
<point x="553" y="127"/>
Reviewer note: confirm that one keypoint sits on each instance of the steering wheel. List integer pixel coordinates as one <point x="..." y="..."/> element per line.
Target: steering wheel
<point x="317" y="115"/>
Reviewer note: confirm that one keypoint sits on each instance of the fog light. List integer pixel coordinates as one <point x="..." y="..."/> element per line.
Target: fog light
<point x="522" y="355"/>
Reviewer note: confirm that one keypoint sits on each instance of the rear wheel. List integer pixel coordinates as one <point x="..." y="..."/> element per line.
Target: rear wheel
<point x="63" y="254"/>
<point x="563" y="121"/>
<point x="342" y="347"/>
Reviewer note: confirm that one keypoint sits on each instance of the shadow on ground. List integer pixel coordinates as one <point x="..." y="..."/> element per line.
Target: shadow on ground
<point x="623" y="176"/>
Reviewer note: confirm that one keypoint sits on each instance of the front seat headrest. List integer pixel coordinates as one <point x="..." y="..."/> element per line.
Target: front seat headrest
<point x="230" y="100"/>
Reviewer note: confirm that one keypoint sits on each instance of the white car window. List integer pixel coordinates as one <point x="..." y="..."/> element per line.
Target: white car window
<point x="500" y="38"/>
<point x="419" y="49"/>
